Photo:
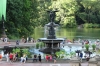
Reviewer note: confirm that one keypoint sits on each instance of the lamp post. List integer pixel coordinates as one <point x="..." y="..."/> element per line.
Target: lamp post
<point x="3" y="28"/>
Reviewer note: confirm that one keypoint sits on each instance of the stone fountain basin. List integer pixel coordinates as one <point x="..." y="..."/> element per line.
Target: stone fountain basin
<point x="57" y="40"/>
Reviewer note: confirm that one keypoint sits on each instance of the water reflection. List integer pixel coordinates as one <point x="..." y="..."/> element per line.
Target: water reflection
<point x="70" y="33"/>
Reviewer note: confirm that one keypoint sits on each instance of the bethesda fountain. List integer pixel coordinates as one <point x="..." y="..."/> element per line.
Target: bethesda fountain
<point x="52" y="43"/>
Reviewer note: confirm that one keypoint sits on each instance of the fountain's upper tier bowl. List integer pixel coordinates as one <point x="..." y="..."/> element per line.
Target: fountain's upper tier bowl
<point x="52" y="24"/>
<point x="57" y="40"/>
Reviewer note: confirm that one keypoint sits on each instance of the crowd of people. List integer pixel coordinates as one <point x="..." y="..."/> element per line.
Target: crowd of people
<point x="83" y="41"/>
<point x="13" y="57"/>
<point x="28" y="39"/>
<point x="50" y="58"/>
<point x="23" y="39"/>
<point x="5" y="39"/>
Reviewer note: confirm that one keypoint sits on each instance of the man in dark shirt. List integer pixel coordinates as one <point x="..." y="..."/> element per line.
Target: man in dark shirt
<point x="35" y="58"/>
<point x="39" y="57"/>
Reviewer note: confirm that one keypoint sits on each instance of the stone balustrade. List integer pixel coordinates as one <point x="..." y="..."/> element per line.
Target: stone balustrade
<point x="75" y="61"/>
<point x="92" y="62"/>
<point x="98" y="60"/>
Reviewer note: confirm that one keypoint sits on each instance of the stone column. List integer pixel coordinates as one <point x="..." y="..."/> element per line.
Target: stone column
<point x="75" y="61"/>
<point x="58" y="44"/>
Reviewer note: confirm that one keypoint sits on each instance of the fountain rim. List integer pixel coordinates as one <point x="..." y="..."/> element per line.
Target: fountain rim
<point x="51" y="39"/>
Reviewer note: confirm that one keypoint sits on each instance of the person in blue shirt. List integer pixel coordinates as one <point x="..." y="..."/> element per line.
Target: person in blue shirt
<point x="81" y="55"/>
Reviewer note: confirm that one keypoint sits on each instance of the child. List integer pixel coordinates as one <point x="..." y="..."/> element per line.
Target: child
<point x="50" y="58"/>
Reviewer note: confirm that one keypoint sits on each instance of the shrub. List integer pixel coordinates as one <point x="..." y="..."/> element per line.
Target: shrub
<point x="93" y="46"/>
<point x="87" y="47"/>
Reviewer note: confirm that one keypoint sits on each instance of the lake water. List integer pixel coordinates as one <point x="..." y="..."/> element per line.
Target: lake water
<point x="90" y="34"/>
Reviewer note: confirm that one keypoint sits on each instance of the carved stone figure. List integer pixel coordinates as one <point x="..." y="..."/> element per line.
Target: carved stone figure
<point x="52" y="15"/>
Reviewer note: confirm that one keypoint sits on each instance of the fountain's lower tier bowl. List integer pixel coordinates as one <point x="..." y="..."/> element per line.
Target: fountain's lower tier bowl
<point x="49" y="50"/>
<point x="52" y="45"/>
<point x="53" y="41"/>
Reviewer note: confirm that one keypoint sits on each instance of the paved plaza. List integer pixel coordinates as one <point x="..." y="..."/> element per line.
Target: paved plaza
<point x="4" y="63"/>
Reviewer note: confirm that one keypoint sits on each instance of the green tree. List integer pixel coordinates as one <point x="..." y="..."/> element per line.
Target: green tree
<point x="19" y="17"/>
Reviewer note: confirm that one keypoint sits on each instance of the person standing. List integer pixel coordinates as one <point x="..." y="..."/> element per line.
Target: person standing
<point x="7" y="57"/>
<point x="35" y="58"/>
<point x="81" y="55"/>
<point x="11" y="57"/>
<point x="6" y="39"/>
<point x="47" y="58"/>
<point x="0" y="57"/>
<point x="54" y="58"/>
<point x="27" y="39"/>
<point x="16" y="56"/>
<point x="17" y="42"/>
<point x="50" y="57"/>
<point x="39" y="57"/>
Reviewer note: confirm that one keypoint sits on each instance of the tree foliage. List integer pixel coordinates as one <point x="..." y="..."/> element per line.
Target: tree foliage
<point x="20" y="15"/>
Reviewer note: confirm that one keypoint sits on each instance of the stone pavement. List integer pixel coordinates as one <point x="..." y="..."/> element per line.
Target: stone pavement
<point x="4" y="63"/>
<point x="13" y="44"/>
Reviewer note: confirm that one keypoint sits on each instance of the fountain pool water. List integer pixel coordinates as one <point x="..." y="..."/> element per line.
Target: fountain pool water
<point x="70" y="49"/>
<point x="37" y="52"/>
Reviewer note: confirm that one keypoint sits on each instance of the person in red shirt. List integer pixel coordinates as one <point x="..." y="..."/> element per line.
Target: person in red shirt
<point x="0" y="57"/>
<point x="11" y="57"/>
<point x="47" y="58"/>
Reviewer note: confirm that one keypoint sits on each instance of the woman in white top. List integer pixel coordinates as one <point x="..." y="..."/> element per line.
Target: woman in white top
<point x="7" y="57"/>
<point x="23" y="59"/>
